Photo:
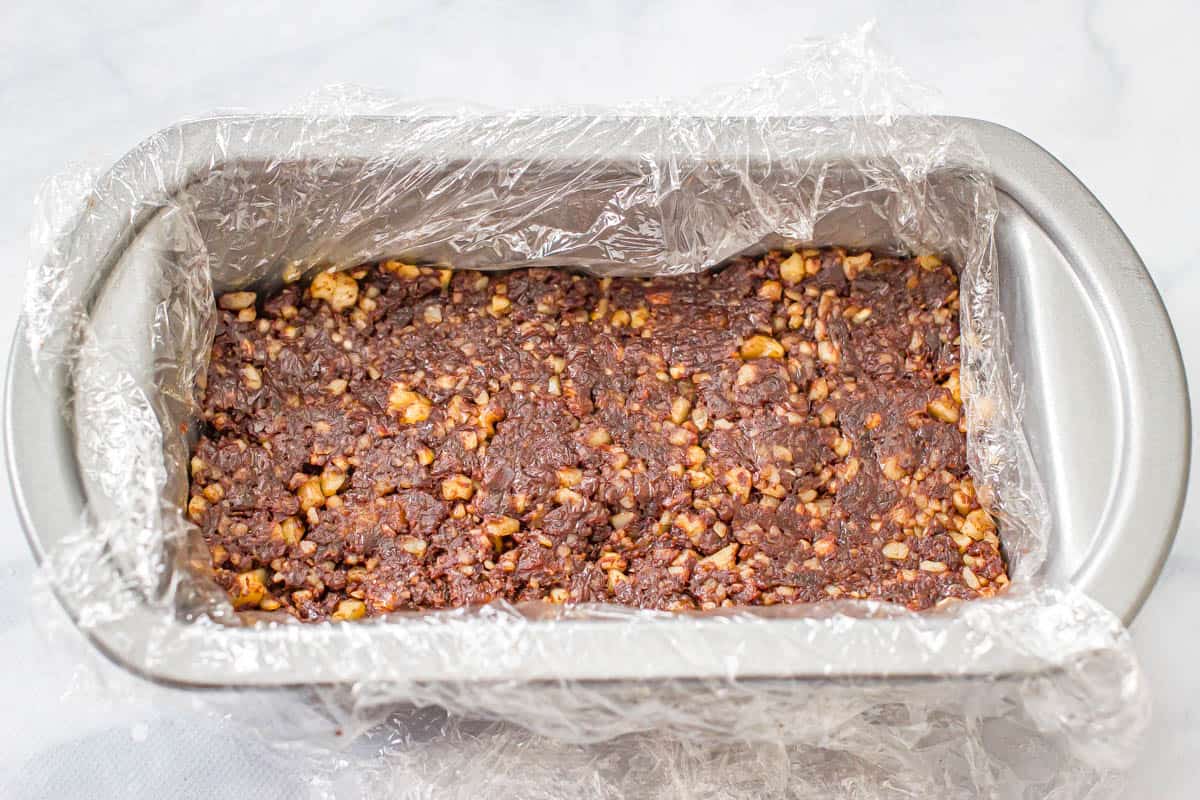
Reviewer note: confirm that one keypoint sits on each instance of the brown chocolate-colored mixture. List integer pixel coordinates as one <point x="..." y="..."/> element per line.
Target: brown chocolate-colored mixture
<point x="785" y="430"/>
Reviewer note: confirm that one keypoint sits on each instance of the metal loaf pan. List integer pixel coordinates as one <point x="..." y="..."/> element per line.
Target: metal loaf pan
<point x="1106" y="414"/>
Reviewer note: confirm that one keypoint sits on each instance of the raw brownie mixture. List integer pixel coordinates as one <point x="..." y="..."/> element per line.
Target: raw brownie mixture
<point x="785" y="430"/>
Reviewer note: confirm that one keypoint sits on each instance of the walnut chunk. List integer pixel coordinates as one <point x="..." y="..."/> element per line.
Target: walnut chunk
<point x="680" y="437"/>
<point x="332" y="480"/>
<point x="747" y="374"/>
<point x="500" y="305"/>
<point x="251" y="377"/>
<point x="598" y="437"/>
<point x="770" y="290"/>
<point x="892" y="469"/>
<point x="724" y="559"/>
<point x="196" y="508"/>
<point x="337" y="289"/>
<point x="681" y="407"/>
<point x="458" y="487"/>
<point x="349" y="609"/>
<point x="759" y="346"/>
<point x="621" y="520"/>
<point x="615" y="579"/>
<point x="489" y="416"/>
<point x="236" y="301"/>
<point x="691" y="524"/>
<point x="565" y="496"/>
<point x="413" y="546"/>
<point x="738" y="481"/>
<point x="861" y="316"/>
<point x="826" y="545"/>
<point x="954" y="385"/>
<point x="411" y="406"/>
<point x="249" y="588"/>
<point x="499" y="527"/>
<point x="852" y="265"/>
<point x="791" y="269"/>
<point x="289" y="531"/>
<point x="943" y="408"/>
<point x="310" y="494"/>
<point x="978" y="524"/>
<point x="402" y="270"/>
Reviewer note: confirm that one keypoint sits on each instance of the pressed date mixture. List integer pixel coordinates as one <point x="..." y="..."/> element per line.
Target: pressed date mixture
<point x="785" y="430"/>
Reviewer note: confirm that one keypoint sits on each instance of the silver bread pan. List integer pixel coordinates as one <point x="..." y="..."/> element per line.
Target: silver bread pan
<point x="1106" y="414"/>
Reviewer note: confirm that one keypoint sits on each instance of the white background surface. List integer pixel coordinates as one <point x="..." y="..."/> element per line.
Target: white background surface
<point x="1111" y="88"/>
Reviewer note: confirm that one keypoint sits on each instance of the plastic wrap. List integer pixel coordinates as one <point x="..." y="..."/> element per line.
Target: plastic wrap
<point x="1030" y="693"/>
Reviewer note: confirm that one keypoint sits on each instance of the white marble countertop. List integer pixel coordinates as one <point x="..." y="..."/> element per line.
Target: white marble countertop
<point x="1102" y="85"/>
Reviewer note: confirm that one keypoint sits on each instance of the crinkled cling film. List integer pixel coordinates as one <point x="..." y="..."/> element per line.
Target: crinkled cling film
<point x="1032" y="691"/>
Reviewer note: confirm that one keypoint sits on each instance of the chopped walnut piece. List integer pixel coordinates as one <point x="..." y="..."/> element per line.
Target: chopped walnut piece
<point x="827" y="351"/>
<point x="401" y="270"/>
<point x="770" y="290"/>
<point x="310" y="494"/>
<point x="413" y="546"/>
<point x="569" y="476"/>
<point x="943" y="408"/>
<point x="336" y="288"/>
<point x="349" y="609"/>
<point x="249" y="588"/>
<point x="252" y="377"/>
<point x="598" y="437"/>
<point x="681" y="407"/>
<point x="615" y="579"/>
<point x="792" y="268"/>
<point x="691" y="524"/>
<point x="411" y="406"/>
<point x="621" y="520"/>
<point x="761" y="347"/>
<point x="853" y="265"/>
<point x="236" y="301"/>
<point x="723" y="558"/>
<point x="332" y="480"/>
<point x="289" y="531"/>
<point x="978" y="524"/>
<point x="196" y="508"/>
<point x="458" y="487"/>
<point x="970" y="578"/>
<point x="500" y="305"/>
<point x="502" y="526"/>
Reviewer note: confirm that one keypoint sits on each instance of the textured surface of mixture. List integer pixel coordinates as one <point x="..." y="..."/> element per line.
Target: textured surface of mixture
<point x="785" y="430"/>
